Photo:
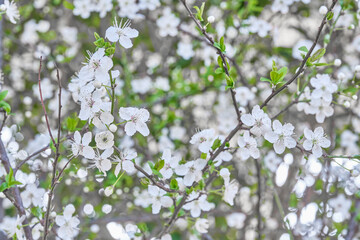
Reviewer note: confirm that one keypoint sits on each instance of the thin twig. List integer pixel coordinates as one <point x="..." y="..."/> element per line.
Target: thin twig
<point x="17" y="198"/>
<point x="55" y="179"/>
<point x="303" y="63"/>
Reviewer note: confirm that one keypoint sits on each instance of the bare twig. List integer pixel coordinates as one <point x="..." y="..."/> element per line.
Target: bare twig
<point x="303" y="63"/>
<point x="17" y="201"/>
<point x="55" y="178"/>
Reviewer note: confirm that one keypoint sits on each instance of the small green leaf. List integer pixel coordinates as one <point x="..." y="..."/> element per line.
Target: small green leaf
<point x="3" y="186"/>
<point x="265" y="79"/>
<point x="159" y="165"/>
<point x="3" y="94"/>
<point x="68" y="5"/>
<point x="203" y="155"/>
<point x="36" y="211"/>
<point x="96" y="35"/>
<point x="303" y="49"/>
<point x="174" y="184"/>
<point x="219" y="70"/>
<point x="329" y="16"/>
<point x="317" y="55"/>
<point x="216" y="144"/>
<point x="5" y="106"/>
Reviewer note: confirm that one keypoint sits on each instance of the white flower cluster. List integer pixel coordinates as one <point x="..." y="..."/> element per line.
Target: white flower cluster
<point x="318" y="102"/>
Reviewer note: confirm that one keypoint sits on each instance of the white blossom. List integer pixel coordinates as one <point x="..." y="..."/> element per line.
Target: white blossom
<point x="136" y="120"/>
<point x="122" y="33"/>
<point x="80" y="145"/>
<point x="281" y="136"/>
<point x="315" y="141"/>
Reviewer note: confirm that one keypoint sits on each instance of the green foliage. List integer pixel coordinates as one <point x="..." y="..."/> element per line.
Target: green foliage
<point x="174" y="184"/>
<point x="200" y="12"/>
<point x="220" y="45"/>
<point x="154" y="169"/>
<point x="276" y="75"/>
<point x="9" y="181"/>
<point x="4" y="105"/>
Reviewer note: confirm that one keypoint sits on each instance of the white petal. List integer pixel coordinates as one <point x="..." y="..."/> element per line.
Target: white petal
<point x="125" y="42"/>
<point x="248" y="119"/>
<point x="130" y="128"/>
<point x="142" y="128"/>
<point x="279" y="147"/>
<point x="111" y="34"/>
<point x="88" y="152"/>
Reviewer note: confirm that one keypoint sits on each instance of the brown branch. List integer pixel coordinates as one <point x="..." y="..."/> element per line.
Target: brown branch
<point x="151" y="178"/>
<point x="55" y="178"/>
<point x="222" y="56"/>
<point x="303" y="63"/>
<point x="17" y="198"/>
<point x="43" y="104"/>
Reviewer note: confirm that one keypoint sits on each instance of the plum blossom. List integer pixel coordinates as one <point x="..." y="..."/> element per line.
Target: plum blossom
<point x="192" y="171"/>
<point x="204" y="138"/>
<point x="202" y="225"/>
<point x="158" y="199"/>
<point x="122" y="33"/>
<point x="91" y="104"/>
<point x="101" y="119"/>
<point x="67" y="223"/>
<point x="136" y="120"/>
<point x="281" y="136"/>
<point x="104" y="140"/>
<point x="231" y="189"/>
<point x="315" y="141"/>
<point x="80" y="145"/>
<point x="248" y="147"/>
<point x="12" y="227"/>
<point x="170" y="163"/>
<point x="197" y="203"/>
<point x="324" y="87"/>
<point x="258" y="120"/>
<point x="11" y="10"/>
<point x="102" y="162"/>
<point x="125" y="161"/>
<point x="168" y="23"/>
<point x="32" y="195"/>
<point x="341" y="206"/>
<point x="99" y="65"/>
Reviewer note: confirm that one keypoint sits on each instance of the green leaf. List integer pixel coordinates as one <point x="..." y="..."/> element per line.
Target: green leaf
<point x="3" y="94"/>
<point x="219" y="70"/>
<point x="317" y="55"/>
<point x="36" y="211"/>
<point x="99" y="42"/>
<point x="14" y="183"/>
<point x="203" y="155"/>
<point x="200" y="12"/>
<point x="293" y="202"/>
<point x="159" y="165"/>
<point x="5" y="106"/>
<point x="68" y="5"/>
<point x="174" y="184"/>
<point x="321" y="64"/>
<point x="265" y="80"/>
<point x="329" y="16"/>
<point x="229" y="82"/>
<point x="96" y="35"/>
<point x="110" y="51"/>
<point x="3" y="186"/>
<point x="217" y="45"/>
<point x="9" y="176"/>
<point x="303" y="49"/>
<point x="216" y="144"/>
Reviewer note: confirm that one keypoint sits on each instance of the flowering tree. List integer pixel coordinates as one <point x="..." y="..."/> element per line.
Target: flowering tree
<point x="149" y="119"/>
